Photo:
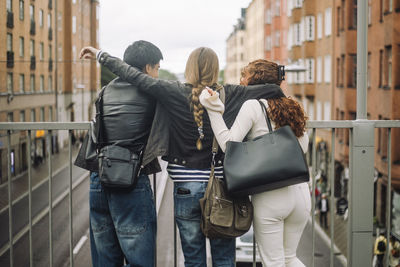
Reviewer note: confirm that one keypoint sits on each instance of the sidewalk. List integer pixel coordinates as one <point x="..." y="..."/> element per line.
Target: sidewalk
<point x="340" y="231"/>
<point x="40" y="173"/>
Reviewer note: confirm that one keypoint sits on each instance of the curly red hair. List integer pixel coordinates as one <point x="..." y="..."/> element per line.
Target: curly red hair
<point x="283" y="111"/>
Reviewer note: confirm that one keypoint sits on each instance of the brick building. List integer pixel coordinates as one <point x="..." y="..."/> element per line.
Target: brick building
<point x="40" y="41"/>
<point x="383" y="89"/>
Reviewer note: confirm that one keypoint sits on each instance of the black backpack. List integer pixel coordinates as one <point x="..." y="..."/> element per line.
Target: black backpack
<point x="381" y="246"/>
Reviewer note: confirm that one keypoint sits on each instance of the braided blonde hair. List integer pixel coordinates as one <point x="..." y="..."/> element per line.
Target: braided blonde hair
<point x="202" y="70"/>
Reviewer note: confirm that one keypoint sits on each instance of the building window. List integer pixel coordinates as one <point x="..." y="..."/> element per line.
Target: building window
<point x="42" y="114"/>
<point x="10" y="116"/>
<point x="73" y="24"/>
<point x="32" y="12"/>
<point x="268" y="18"/>
<point x="277" y="38"/>
<point x="381" y="9"/>
<point x="319" y="110"/>
<point x="41" y="18"/>
<point x="309" y="70"/>
<point x="277" y="8"/>
<point x="338" y="21"/>
<point x="319" y="26"/>
<point x="10" y="84"/>
<point x="342" y="70"/>
<point x="327" y="69"/>
<point x="50" y="113"/>
<point x="369" y="70"/>
<point x="319" y="69"/>
<point x="268" y="43"/>
<point x="9" y="42"/>
<point x="353" y="21"/>
<point x="328" y="21"/>
<point x="32" y="82"/>
<point x="59" y="21"/>
<point x="50" y="85"/>
<point x="41" y="51"/>
<point x="353" y="72"/>
<point x="21" y="47"/>
<point x="49" y="21"/>
<point x="389" y="65"/>
<point x="22" y="83"/>
<point x="369" y="12"/>
<point x="297" y="34"/>
<point x="298" y="3"/>
<point x="21" y="9"/>
<point x="380" y="68"/>
<point x="310" y="21"/>
<point x="337" y="72"/>
<point x="33" y="115"/>
<point x="22" y="116"/>
<point x="327" y="111"/>
<point x="50" y="52"/>
<point x="32" y="54"/>
<point x="343" y="15"/>
<point x="41" y="83"/>
<point x="9" y="5"/>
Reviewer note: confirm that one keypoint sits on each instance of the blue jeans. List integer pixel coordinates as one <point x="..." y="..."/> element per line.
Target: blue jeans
<point x="123" y="224"/>
<point x="188" y="216"/>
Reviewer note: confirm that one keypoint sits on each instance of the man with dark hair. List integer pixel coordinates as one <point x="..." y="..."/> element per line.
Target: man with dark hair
<point x="123" y="222"/>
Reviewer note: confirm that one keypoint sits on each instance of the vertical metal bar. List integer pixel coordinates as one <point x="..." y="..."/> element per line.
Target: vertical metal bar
<point x="362" y="56"/>
<point x="50" y="199"/>
<point x="254" y="250"/>
<point x="30" y="196"/>
<point x="332" y="191"/>
<point x="389" y="195"/>
<point x="314" y="159"/>
<point x="10" y="215"/>
<point x="175" y="242"/>
<point x="155" y="204"/>
<point x="71" y="255"/>
<point x="361" y="196"/>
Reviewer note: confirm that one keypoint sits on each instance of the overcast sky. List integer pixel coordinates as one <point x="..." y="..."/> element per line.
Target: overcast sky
<point x="177" y="27"/>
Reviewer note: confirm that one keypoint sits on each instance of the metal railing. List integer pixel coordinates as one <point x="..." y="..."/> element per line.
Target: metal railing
<point x="360" y="197"/>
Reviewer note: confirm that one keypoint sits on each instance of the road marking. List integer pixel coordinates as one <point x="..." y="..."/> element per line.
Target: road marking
<point x="80" y="244"/>
<point x="327" y="241"/>
<point x="43" y="213"/>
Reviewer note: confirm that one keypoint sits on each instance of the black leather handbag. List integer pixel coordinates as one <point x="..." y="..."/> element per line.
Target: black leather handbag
<point x="267" y="162"/>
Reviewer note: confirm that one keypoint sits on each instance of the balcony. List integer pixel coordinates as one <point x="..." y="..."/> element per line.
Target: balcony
<point x="10" y="19"/>
<point x="50" y="4"/>
<point x="50" y="34"/>
<point x="50" y="64"/>
<point x="10" y="59"/>
<point x="33" y="62"/>
<point x="33" y="28"/>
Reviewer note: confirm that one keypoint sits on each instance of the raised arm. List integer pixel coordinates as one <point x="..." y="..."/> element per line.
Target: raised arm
<point x="242" y="125"/>
<point x="160" y="89"/>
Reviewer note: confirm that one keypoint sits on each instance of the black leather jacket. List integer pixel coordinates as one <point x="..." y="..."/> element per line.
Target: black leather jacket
<point x="177" y="143"/>
<point x="128" y="116"/>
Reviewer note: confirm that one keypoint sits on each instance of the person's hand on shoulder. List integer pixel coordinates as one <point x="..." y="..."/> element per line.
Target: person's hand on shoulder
<point x="211" y="101"/>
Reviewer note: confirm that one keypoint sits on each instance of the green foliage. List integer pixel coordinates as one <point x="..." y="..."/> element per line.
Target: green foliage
<point x="221" y="77"/>
<point x="106" y="76"/>
<point x="167" y="75"/>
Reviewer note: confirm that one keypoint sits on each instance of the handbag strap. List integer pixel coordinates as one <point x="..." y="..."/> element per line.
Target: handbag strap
<point x="264" y="109"/>
<point x="215" y="143"/>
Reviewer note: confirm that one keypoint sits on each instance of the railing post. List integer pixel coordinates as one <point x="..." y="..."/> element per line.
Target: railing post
<point x="361" y="193"/>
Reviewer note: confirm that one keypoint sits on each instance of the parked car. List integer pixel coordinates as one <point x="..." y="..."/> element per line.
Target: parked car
<point x="244" y="250"/>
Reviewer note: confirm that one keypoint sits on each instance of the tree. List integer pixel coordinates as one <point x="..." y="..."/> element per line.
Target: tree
<point x="106" y="76"/>
<point x="167" y="75"/>
<point x="221" y="77"/>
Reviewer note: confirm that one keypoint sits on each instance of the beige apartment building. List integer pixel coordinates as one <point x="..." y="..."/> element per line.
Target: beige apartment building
<point x="236" y="51"/>
<point x="254" y="35"/>
<point x="41" y="79"/>
<point x="310" y="46"/>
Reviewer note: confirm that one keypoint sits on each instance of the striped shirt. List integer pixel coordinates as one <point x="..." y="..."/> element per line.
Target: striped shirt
<point x="179" y="173"/>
